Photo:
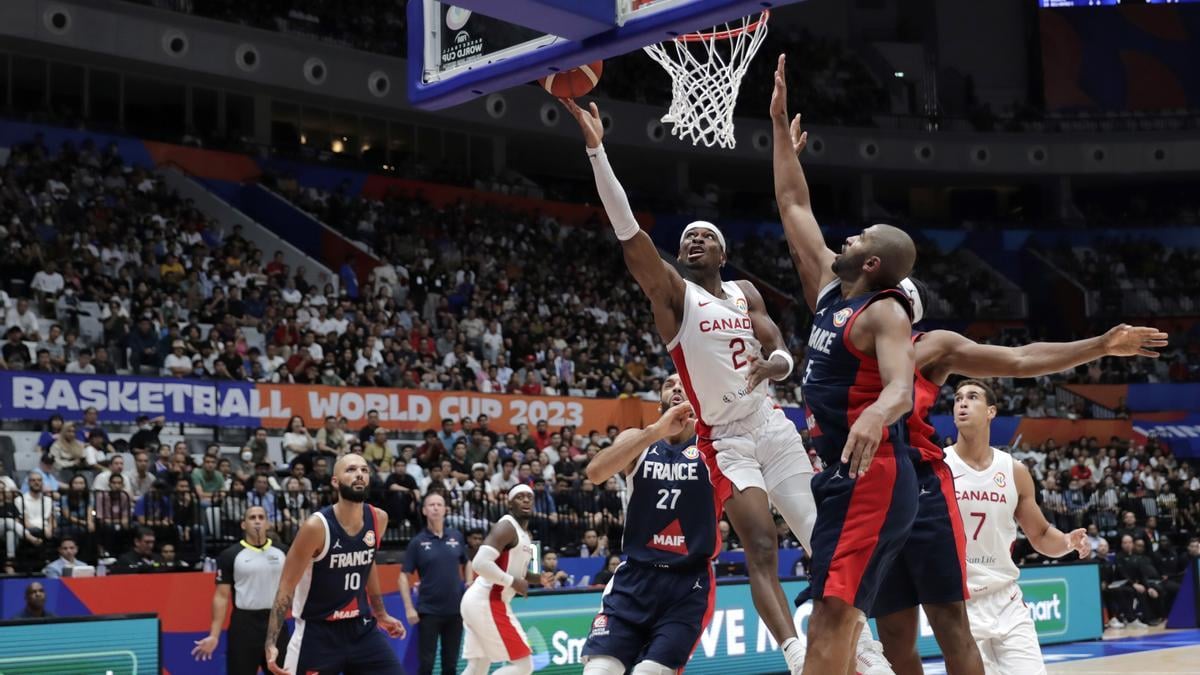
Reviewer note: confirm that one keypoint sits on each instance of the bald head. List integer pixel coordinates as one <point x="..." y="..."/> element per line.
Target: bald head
<point x="882" y="255"/>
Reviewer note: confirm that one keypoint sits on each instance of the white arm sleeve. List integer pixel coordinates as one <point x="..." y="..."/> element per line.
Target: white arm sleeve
<point x="612" y="195"/>
<point x="485" y="566"/>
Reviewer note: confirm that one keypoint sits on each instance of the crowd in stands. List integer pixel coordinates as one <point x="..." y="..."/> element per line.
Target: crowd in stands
<point x="110" y="270"/>
<point x="1134" y="275"/>
<point x="1141" y="508"/>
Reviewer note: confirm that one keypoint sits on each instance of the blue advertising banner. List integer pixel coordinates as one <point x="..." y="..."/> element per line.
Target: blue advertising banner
<point x="121" y="399"/>
<point x="1182" y="435"/>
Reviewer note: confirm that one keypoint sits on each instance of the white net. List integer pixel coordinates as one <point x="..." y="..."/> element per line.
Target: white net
<point x="706" y="72"/>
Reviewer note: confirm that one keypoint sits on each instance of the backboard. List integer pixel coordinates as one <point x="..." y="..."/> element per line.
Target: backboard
<point x="471" y="48"/>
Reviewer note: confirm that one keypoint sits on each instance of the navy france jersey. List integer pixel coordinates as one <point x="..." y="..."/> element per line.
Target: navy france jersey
<point x="335" y="585"/>
<point x="840" y="381"/>
<point x="672" y="514"/>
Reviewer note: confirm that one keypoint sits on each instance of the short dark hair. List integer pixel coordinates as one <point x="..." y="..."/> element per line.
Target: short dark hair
<point x="989" y="394"/>
<point x="143" y="532"/>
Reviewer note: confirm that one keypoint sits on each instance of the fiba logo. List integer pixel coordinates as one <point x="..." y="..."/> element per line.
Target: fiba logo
<point x="841" y="316"/>
<point x="741" y="305"/>
<point x="691" y="453"/>
<point x="464" y="46"/>
<point x="369" y="538"/>
<point x="1001" y="481"/>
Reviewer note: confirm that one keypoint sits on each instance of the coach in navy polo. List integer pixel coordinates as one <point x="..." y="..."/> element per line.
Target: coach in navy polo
<point x="438" y="555"/>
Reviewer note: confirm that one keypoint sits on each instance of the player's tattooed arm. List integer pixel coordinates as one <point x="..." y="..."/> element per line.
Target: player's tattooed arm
<point x="811" y="256"/>
<point x="309" y="543"/>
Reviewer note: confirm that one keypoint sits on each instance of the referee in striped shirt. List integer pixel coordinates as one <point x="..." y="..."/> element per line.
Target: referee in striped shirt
<point x="249" y="572"/>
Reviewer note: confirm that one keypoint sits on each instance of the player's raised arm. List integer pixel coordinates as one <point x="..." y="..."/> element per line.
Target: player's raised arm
<point x="307" y="545"/>
<point x="890" y="328"/>
<point x="659" y="280"/>
<point x="779" y="362"/>
<point x="1044" y="537"/>
<point x="812" y="258"/>
<point x="629" y="444"/>
<point x="948" y="352"/>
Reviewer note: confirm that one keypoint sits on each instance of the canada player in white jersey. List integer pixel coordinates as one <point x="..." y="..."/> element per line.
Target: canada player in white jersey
<point x="725" y="347"/>
<point x="994" y="495"/>
<point x="493" y="633"/>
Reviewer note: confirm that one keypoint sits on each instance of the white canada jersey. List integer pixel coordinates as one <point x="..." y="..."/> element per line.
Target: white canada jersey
<point x="987" y="501"/>
<point x="514" y="561"/>
<point x="712" y="354"/>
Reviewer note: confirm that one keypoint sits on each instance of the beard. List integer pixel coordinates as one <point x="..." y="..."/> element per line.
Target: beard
<point x="348" y="492"/>
<point x="847" y="266"/>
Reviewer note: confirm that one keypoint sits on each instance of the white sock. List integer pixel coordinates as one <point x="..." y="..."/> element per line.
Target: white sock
<point x="793" y="652"/>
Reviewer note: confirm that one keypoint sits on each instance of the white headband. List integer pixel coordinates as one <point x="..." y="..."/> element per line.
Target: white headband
<point x="914" y="297"/>
<point x="706" y="225"/>
<point x="518" y="489"/>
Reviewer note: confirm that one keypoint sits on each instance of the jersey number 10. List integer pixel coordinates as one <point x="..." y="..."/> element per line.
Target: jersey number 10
<point x="353" y="581"/>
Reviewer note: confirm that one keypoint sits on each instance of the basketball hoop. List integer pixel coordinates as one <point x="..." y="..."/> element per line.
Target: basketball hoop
<point x="706" y="72"/>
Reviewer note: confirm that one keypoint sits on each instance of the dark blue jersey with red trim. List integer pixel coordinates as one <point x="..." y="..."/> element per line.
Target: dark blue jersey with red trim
<point x="671" y="519"/>
<point x="921" y="433"/>
<point x="840" y="381"/>
<point x="335" y="587"/>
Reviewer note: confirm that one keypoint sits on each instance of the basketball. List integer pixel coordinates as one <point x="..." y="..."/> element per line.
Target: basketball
<point x="574" y="82"/>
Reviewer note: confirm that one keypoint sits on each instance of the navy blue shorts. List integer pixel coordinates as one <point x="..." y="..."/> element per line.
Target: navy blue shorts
<point x="931" y="568"/>
<point x="350" y="646"/>
<point x="652" y="614"/>
<point x="861" y="526"/>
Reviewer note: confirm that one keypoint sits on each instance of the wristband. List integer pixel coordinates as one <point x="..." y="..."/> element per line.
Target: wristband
<point x="786" y="357"/>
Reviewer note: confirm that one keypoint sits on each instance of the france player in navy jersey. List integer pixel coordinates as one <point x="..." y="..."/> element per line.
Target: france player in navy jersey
<point x="660" y="599"/>
<point x="331" y="585"/>
<point x="858" y="387"/>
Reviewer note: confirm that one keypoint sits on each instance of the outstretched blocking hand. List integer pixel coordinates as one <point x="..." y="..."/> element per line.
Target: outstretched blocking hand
<point x="1126" y="340"/>
<point x="589" y="121"/>
<point x="779" y="94"/>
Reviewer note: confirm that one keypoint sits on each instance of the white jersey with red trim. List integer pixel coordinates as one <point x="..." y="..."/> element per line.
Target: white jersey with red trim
<point x="712" y="354"/>
<point x="514" y="561"/>
<point x="987" y="500"/>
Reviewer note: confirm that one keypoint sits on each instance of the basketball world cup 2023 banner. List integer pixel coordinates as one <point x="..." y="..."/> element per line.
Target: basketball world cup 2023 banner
<point x="36" y="396"/>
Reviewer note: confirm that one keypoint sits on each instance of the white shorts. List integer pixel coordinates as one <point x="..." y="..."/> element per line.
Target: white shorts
<point x="492" y="630"/>
<point x="1004" y="633"/>
<point x="760" y="450"/>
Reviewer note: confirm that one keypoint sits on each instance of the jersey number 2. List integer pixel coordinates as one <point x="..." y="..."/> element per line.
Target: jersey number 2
<point x="982" y="517"/>
<point x="738" y="345"/>
<point x="664" y="495"/>
<point x="353" y="581"/>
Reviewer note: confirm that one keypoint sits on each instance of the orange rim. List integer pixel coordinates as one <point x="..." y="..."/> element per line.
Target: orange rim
<point x="726" y="34"/>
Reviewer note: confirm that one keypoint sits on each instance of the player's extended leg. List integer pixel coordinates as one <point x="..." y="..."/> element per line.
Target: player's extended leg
<point x="831" y="636"/>
<point x="898" y="633"/>
<point x="652" y="668"/>
<point x="952" y="629"/>
<point x="1017" y="650"/>
<point x="750" y="514"/>
<point x="603" y="665"/>
<point x="477" y="667"/>
<point x="523" y="666"/>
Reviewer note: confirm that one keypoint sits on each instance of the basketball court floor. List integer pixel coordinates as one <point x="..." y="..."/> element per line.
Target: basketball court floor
<point x="1121" y="652"/>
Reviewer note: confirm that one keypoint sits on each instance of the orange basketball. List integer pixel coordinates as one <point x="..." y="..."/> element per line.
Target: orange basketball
<point x="574" y="82"/>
